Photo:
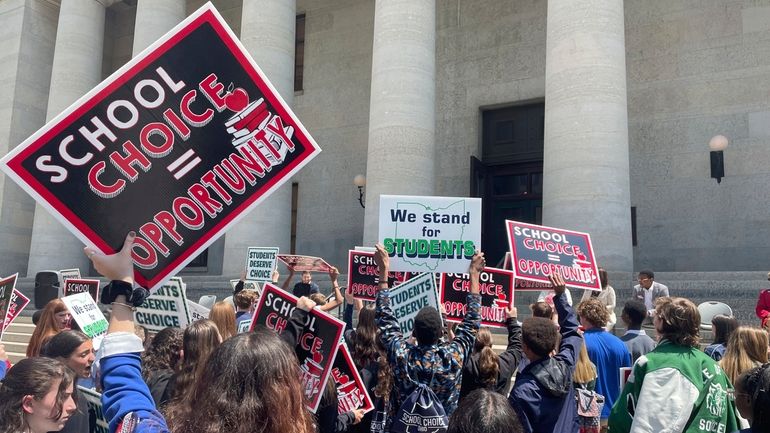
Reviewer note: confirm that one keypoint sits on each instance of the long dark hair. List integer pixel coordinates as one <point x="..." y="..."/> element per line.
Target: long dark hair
<point x="484" y="411"/>
<point x="31" y="376"/>
<point x="367" y="348"/>
<point x="200" y="339"/>
<point x="488" y="365"/>
<point x="756" y="383"/>
<point x="163" y="353"/>
<point x="723" y="328"/>
<point x="251" y="384"/>
<point x="63" y="344"/>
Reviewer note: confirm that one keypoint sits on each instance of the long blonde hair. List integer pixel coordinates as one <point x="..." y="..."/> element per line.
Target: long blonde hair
<point x="746" y="349"/>
<point x="223" y="315"/>
<point x="585" y="370"/>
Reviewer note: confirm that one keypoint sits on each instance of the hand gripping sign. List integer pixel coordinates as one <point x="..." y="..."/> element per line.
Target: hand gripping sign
<point x="539" y="251"/>
<point x="317" y="346"/>
<point x="496" y="287"/>
<point x="175" y="145"/>
<point x="363" y="275"/>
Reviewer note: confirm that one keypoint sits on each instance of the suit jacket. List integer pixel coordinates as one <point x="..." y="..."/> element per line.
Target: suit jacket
<point x="658" y="290"/>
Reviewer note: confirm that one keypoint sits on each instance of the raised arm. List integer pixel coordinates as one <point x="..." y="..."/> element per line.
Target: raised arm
<point x="568" y="324"/>
<point x="390" y="331"/>
<point x="338" y="299"/>
<point x="125" y="396"/>
<point x="285" y="285"/>
<point x="465" y="334"/>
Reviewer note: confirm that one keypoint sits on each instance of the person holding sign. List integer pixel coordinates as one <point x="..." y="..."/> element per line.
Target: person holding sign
<point x="543" y="396"/>
<point x="431" y="361"/>
<point x="306" y="287"/>
<point x="272" y="399"/>
<point x="36" y="396"/>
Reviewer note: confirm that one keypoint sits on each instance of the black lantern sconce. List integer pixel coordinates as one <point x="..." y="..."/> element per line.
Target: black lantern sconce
<point x="718" y="144"/>
<point x="360" y="181"/>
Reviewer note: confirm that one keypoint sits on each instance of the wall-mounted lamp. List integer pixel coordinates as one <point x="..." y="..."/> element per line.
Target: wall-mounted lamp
<point x="718" y="144"/>
<point x="360" y="180"/>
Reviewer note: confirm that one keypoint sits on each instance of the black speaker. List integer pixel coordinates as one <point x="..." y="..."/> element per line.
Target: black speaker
<point x="47" y="286"/>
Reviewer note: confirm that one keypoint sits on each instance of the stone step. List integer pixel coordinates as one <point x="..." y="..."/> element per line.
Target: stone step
<point x="14" y="346"/>
<point x="15" y="357"/>
<point x="20" y="328"/>
<point x="16" y="337"/>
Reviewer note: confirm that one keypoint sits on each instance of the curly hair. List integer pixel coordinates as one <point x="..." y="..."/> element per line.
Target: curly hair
<point x="594" y="311"/>
<point x="756" y="384"/>
<point x="540" y="335"/>
<point x="677" y="320"/>
<point x="367" y="348"/>
<point x="163" y="353"/>
<point x="541" y="309"/>
<point x="32" y="376"/>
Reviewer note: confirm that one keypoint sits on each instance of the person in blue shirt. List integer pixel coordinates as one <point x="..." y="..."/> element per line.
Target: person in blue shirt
<point x="543" y="396"/>
<point x="606" y="351"/>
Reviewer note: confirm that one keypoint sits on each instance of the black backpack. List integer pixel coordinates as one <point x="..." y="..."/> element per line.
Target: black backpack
<point x="421" y="411"/>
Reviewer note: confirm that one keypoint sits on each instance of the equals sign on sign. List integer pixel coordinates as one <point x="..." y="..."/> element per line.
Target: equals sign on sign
<point x="184" y="164"/>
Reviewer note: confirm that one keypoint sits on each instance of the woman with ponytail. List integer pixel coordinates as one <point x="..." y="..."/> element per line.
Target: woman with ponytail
<point x="485" y="368"/>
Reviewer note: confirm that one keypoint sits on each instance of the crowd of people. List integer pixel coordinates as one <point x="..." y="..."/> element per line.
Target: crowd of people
<point x="562" y="369"/>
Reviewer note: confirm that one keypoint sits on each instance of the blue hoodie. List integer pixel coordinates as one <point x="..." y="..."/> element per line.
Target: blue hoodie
<point x="544" y="388"/>
<point x="126" y="400"/>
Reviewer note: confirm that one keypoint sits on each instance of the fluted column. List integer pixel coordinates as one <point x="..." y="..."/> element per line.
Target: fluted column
<point x="268" y="33"/>
<point x="585" y="168"/>
<point x="153" y="19"/>
<point x="77" y="68"/>
<point x="402" y="112"/>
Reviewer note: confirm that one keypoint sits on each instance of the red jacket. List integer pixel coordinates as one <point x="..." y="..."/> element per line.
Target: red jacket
<point x="763" y="306"/>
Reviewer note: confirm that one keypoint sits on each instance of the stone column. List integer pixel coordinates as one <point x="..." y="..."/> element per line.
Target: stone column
<point x="585" y="168"/>
<point x="402" y="112"/>
<point x="267" y="32"/>
<point x="153" y="19"/>
<point x="77" y="68"/>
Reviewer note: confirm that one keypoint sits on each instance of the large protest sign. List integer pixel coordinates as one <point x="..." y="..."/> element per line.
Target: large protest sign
<point x="430" y="234"/>
<point x="86" y="314"/>
<point x="539" y="251"/>
<point x="316" y="347"/>
<point x="260" y="263"/>
<point x="495" y="287"/>
<point x="7" y="286"/>
<point x="72" y="286"/>
<point x="351" y="390"/>
<point x="197" y="311"/>
<point x="166" y="307"/>
<point x="363" y="275"/>
<point x="18" y="303"/>
<point x="409" y="297"/>
<point x="304" y="263"/>
<point x="175" y="145"/>
<point x="94" y="403"/>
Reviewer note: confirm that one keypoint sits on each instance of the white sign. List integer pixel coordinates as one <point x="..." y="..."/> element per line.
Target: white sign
<point x="166" y="307"/>
<point x="86" y="314"/>
<point x="69" y="274"/>
<point x="411" y="296"/>
<point x="430" y="234"/>
<point x="244" y="326"/>
<point x="247" y="285"/>
<point x="260" y="263"/>
<point x="197" y="311"/>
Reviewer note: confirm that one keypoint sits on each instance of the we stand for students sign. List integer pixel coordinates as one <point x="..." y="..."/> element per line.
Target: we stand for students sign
<point x="430" y="234"/>
<point x="178" y="144"/>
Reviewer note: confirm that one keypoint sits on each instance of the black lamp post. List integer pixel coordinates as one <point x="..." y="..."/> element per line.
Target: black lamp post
<point x="360" y="181"/>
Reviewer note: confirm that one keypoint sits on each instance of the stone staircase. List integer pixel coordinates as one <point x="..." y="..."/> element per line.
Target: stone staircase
<point x="16" y="337"/>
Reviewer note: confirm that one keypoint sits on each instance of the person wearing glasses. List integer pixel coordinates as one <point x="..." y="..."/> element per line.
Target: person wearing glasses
<point x="647" y="291"/>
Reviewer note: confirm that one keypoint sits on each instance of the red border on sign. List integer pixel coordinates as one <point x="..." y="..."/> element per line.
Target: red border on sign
<point x="3" y="281"/>
<point x="350" y="271"/>
<point x="81" y="281"/>
<point x="329" y="362"/>
<point x="483" y="322"/>
<point x="343" y="348"/>
<point x="509" y="229"/>
<point x="208" y="16"/>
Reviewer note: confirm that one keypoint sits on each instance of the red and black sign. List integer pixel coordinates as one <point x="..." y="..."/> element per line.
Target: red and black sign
<point x="177" y="145"/>
<point x="316" y="348"/>
<point x="7" y="287"/>
<point x="304" y="263"/>
<point x="18" y="303"/>
<point x="363" y="275"/>
<point x="351" y="391"/>
<point x="539" y="251"/>
<point x="495" y="286"/>
<point x="73" y="286"/>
